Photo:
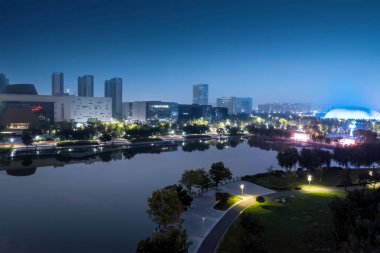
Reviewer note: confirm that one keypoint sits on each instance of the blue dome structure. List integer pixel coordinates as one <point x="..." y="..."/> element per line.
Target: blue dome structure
<point x="354" y="113"/>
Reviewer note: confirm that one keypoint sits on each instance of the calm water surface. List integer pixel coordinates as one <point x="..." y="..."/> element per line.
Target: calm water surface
<point x="101" y="206"/>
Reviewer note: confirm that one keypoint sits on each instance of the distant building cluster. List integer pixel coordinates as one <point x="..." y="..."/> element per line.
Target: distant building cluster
<point x="291" y="108"/>
<point x="21" y="107"/>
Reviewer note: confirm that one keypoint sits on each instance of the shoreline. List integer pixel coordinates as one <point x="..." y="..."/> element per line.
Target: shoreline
<point x="82" y="151"/>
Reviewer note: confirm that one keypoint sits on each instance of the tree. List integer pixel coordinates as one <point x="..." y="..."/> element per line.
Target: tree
<point x="356" y="221"/>
<point x="105" y="137"/>
<point x="27" y="139"/>
<point x="220" y="131"/>
<point x="183" y="195"/>
<point x="164" y="207"/>
<point x="219" y="173"/>
<point x="222" y="197"/>
<point x="3" y="138"/>
<point x="190" y="178"/>
<point x="260" y="199"/>
<point x="173" y="240"/>
<point x="309" y="159"/>
<point x="205" y="182"/>
<point x="234" y="130"/>
<point x="288" y="159"/>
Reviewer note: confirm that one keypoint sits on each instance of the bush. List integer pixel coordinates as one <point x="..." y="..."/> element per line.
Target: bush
<point x="260" y="199"/>
<point x="222" y="197"/>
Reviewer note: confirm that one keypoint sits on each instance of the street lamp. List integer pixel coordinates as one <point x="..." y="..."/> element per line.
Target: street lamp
<point x="242" y="189"/>
<point x="370" y="173"/>
<point x="309" y="179"/>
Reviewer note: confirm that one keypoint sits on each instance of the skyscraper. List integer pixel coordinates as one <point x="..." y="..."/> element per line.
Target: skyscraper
<point x="4" y="81"/>
<point x="113" y="88"/>
<point x="200" y="94"/>
<point x="57" y="84"/>
<point x="86" y="86"/>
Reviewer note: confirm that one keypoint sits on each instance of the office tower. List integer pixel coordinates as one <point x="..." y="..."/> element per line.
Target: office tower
<point x="86" y="86"/>
<point x="200" y="94"/>
<point x="113" y="88"/>
<point x="244" y="105"/>
<point x="4" y="81"/>
<point x="227" y="102"/>
<point x="57" y="84"/>
<point x="235" y="105"/>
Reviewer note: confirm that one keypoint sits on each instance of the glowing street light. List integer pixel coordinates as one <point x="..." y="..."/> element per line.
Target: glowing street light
<point x="242" y="189"/>
<point x="370" y="173"/>
<point x="309" y="179"/>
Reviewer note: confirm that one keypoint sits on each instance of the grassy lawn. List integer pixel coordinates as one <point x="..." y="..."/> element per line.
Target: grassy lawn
<point x="302" y="224"/>
<point x="329" y="177"/>
<point x="231" y="201"/>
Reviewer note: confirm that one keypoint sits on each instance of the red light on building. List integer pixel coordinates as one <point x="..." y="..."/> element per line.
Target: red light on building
<point x="37" y="108"/>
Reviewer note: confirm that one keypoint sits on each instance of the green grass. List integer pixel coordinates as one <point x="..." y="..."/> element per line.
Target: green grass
<point x="231" y="201"/>
<point x="279" y="181"/>
<point x="303" y="224"/>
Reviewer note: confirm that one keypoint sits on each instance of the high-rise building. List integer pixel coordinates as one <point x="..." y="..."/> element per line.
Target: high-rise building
<point x="235" y="105"/>
<point x="226" y="102"/>
<point x="57" y="84"/>
<point x="86" y="86"/>
<point x="113" y="88"/>
<point x="4" y="81"/>
<point x="200" y="94"/>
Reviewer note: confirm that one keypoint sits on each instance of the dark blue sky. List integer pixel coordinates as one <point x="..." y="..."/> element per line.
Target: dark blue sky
<point x="284" y="50"/>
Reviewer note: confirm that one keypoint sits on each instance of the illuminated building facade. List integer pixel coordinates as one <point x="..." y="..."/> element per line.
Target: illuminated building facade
<point x="235" y="105"/>
<point x="191" y="112"/>
<point x="200" y="94"/>
<point x="151" y="111"/>
<point x="22" y="111"/>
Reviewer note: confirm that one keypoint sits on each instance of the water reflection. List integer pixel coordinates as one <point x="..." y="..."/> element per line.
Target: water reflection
<point x="97" y="203"/>
<point x="21" y="172"/>
<point x="29" y="163"/>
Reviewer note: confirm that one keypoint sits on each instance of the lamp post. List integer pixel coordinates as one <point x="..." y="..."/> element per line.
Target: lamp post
<point x="309" y="179"/>
<point x="242" y="189"/>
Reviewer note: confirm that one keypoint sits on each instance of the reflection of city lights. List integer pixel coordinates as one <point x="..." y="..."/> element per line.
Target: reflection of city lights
<point x="347" y="142"/>
<point x="301" y="137"/>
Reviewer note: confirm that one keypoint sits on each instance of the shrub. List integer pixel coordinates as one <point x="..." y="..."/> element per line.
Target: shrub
<point x="222" y="197"/>
<point x="260" y="199"/>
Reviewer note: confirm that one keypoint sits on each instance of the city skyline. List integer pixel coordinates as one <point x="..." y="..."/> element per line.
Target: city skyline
<point x="286" y="51"/>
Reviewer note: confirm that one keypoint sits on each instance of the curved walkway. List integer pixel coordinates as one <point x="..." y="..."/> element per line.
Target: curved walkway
<point x="201" y="217"/>
<point x="210" y="243"/>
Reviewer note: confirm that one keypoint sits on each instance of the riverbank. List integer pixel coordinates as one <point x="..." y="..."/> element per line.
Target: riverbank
<point x="89" y="148"/>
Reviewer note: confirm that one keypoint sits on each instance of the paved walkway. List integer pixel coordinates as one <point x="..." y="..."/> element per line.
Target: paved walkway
<point x="201" y="218"/>
<point x="210" y="243"/>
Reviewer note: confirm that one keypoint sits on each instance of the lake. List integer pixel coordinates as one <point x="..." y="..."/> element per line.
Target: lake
<point x="99" y="204"/>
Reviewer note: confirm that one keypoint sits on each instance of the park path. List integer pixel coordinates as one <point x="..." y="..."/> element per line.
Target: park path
<point x="212" y="239"/>
<point x="201" y="217"/>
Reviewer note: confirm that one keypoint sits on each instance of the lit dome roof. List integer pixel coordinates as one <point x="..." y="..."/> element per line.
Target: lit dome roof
<point x="357" y="113"/>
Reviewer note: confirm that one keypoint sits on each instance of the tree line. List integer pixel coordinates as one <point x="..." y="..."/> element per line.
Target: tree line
<point x="166" y="205"/>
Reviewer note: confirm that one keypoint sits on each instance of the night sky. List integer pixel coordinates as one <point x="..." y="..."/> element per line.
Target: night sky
<point x="287" y="51"/>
